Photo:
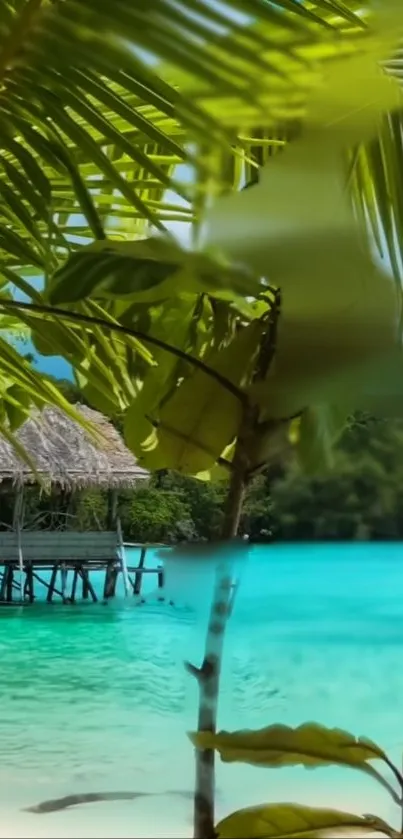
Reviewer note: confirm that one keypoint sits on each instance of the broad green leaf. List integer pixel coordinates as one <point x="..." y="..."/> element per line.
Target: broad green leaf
<point x="145" y="271"/>
<point x="57" y="338"/>
<point x="171" y="323"/>
<point x="17" y="405"/>
<point x="219" y="472"/>
<point x="202" y="416"/>
<point x="102" y="398"/>
<point x="279" y="745"/>
<point x="294" y="821"/>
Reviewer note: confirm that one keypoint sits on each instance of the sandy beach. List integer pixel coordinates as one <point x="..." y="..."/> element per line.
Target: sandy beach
<point x="172" y="818"/>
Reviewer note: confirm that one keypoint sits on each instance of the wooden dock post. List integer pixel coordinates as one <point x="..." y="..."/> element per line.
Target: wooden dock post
<point x="63" y="575"/>
<point x="18" y="517"/>
<point x="87" y="585"/>
<point x="74" y="586"/>
<point x="51" y="589"/>
<point x="111" y="576"/>
<point x="84" y="589"/>
<point x="3" y="584"/>
<point x="29" y="583"/>
<point x="122" y="554"/>
<point x="160" y="582"/>
<point x="9" y="584"/>
<point x="138" y="577"/>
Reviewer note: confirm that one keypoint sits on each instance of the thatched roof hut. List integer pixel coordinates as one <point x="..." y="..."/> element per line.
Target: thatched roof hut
<point x="66" y="456"/>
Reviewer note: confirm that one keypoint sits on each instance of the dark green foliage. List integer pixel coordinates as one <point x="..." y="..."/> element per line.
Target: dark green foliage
<point x="90" y="510"/>
<point x="204" y="500"/>
<point x="361" y="498"/>
<point x="149" y="515"/>
<point x="257" y="517"/>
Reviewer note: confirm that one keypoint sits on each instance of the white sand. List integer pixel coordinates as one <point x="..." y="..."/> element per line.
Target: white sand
<point x="168" y="816"/>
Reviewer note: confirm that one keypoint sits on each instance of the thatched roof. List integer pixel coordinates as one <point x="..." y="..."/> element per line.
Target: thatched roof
<point x="66" y="455"/>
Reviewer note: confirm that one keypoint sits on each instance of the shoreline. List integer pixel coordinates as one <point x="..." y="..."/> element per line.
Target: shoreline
<point x="142" y="819"/>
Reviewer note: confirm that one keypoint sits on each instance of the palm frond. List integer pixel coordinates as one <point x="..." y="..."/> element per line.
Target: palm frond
<point x="100" y="102"/>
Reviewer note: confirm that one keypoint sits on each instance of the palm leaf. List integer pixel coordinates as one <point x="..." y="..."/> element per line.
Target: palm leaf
<point x="70" y="118"/>
<point x="99" y="104"/>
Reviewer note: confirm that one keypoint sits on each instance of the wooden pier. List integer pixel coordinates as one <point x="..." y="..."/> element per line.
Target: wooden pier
<point x="64" y="563"/>
<point x="54" y="552"/>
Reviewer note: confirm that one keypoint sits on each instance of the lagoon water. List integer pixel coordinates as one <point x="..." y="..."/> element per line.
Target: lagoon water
<point x="95" y="698"/>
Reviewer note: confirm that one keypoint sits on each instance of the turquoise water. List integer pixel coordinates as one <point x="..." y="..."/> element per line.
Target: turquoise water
<point x="95" y="698"/>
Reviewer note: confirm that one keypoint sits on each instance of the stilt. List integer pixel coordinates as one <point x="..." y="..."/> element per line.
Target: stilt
<point x="84" y="577"/>
<point x="122" y="556"/>
<point x="63" y="574"/>
<point x="3" y="583"/>
<point x="111" y="576"/>
<point x="9" y="586"/>
<point x="74" y="585"/>
<point x="88" y="585"/>
<point x="17" y="525"/>
<point x="161" y="583"/>
<point x="29" y="583"/>
<point x="25" y="590"/>
<point x="138" y="577"/>
<point x="51" y="589"/>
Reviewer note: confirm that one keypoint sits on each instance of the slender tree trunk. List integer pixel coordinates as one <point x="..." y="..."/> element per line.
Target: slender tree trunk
<point x="208" y="676"/>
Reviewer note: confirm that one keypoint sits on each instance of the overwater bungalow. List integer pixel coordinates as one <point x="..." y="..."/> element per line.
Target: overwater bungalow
<point x="67" y="460"/>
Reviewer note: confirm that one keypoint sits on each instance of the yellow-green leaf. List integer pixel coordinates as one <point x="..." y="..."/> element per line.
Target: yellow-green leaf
<point x="170" y="324"/>
<point x="279" y="745"/>
<point x="293" y="821"/>
<point x="202" y="416"/>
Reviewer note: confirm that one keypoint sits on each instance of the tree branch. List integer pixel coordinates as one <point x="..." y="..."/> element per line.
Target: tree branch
<point x="194" y="671"/>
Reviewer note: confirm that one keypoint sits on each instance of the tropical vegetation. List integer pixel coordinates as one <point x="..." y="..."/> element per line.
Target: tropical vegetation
<point x="277" y="321"/>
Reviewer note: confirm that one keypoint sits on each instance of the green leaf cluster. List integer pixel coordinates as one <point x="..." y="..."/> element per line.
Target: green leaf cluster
<point x="310" y="745"/>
